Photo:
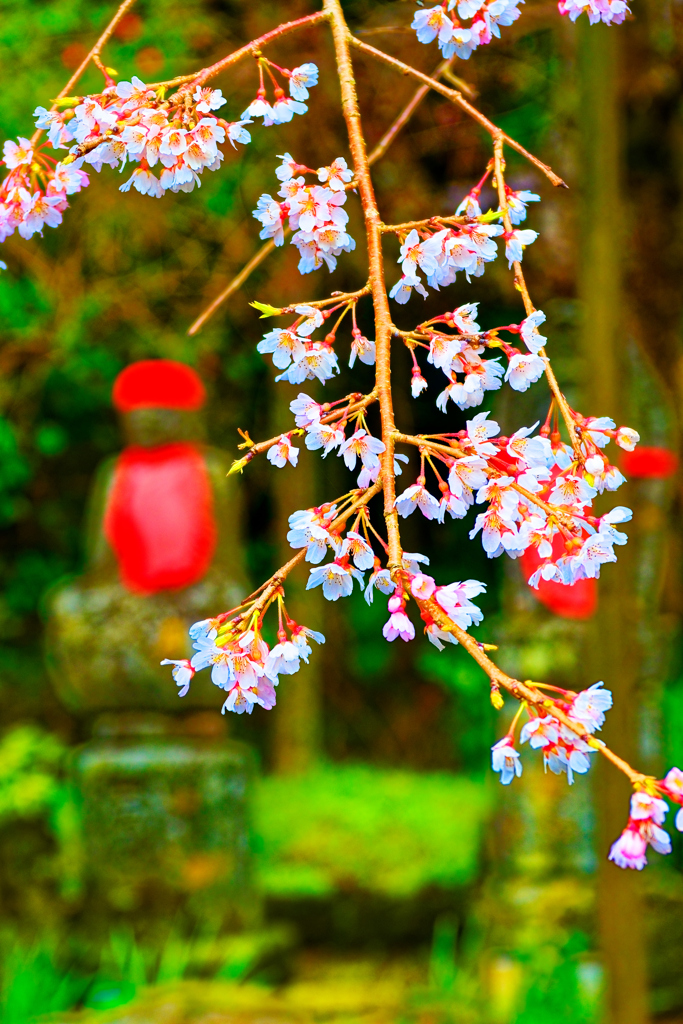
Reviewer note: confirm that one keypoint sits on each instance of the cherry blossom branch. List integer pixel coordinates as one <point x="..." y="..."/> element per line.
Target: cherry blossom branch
<point x="455" y="96"/>
<point x="358" y="404"/>
<point x="427" y="222"/>
<point x="454" y="449"/>
<point x="383" y="328"/>
<point x="521" y="285"/>
<point x="278" y="578"/>
<point x="376" y="154"/>
<point x="527" y="691"/>
<point x="334" y="297"/>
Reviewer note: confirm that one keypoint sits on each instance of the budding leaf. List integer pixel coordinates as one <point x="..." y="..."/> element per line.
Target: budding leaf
<point x="237" y="466"/>
<point x="265" y="310"/>
<point x="65" y="102"/>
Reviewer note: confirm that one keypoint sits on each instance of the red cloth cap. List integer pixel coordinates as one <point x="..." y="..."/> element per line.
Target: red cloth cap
<point x="158" y="384"/>
<point x="579" y="600"/>
<point x="649" y="463"/>
<point x="160" y="517"/>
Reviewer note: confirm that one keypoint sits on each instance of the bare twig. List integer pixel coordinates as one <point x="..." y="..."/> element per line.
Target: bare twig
<point x="93" y="55"/>
<point x="520" y="282"/>
<point x="443" y="69"/>
<point x="236" y="283"/>
<point x="455" y="96"/>
<point x="249" y="50"/>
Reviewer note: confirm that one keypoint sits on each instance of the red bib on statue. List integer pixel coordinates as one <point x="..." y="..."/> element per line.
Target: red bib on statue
<point x="159" y="518"/>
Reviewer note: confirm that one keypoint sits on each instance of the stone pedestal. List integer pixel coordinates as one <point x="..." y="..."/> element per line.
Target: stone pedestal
<point x="165" y="822"/>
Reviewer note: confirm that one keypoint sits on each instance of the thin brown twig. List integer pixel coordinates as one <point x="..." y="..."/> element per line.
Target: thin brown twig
<point x="94" y="53"/>
<point x="521" y="285"/>
<point x="248" y="50"/>
<point x="236" y="283"/>
<point x="411" y="106"/>
<point x="259" y="447"/>
<point x="455" y="96"/>
<point x="427" y="222"/>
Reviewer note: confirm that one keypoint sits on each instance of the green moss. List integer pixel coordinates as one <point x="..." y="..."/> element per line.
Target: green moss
<point x="391" y="832"/>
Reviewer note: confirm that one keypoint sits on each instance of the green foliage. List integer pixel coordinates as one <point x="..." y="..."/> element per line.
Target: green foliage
<point x="562" y="987"/>
<point x="33" y="983"/>
<point x="30" y="761"/>
<point x="390" y="832"/>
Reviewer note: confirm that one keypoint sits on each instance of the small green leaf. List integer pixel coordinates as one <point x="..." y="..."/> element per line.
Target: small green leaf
<point x="266" y="310"/>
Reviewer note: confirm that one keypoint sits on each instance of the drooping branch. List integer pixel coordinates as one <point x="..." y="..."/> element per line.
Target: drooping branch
<point x="373" y="229"/>
<point x="247" y="270"/>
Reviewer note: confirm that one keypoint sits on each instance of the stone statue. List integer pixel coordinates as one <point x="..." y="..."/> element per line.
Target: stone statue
<point x="164" y="794"/>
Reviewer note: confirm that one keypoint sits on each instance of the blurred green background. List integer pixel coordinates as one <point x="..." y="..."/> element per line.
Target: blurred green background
<point x="398" y="882"/>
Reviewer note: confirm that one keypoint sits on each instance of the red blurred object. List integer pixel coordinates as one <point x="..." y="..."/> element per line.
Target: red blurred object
<point x="649" y="463"/>
<point x="578" y="601"/>
<point x="159" y="518"/>
<point x="158" y="384"/>
<point x="129" y="28"/>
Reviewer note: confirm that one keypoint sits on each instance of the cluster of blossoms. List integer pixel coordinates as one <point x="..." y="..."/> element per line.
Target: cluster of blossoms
<point x="314" y="212"/>
<point x="611" y="12"/>
<point x="648" y="812"/>
<point x="466" y="244"/>
<point x="172" y="140"/>
<point x="242" y="664"/>
<point x="563" y="750"/>
<point x="315" y="531"/>
<point x="445" y="24"/>
<point x="566" y="751"/>
<point x="34" y="193"/>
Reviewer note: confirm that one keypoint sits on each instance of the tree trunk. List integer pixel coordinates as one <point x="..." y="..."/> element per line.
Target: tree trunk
<point x="613" y="651"/>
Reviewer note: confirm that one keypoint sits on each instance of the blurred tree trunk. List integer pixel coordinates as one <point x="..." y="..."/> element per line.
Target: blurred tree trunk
<point x="297" y="721"/>
<point x="613" y="642"/>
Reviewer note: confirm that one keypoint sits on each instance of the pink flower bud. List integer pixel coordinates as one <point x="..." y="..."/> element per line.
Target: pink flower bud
<point x="629" y="850"/>
<point x="422" y="586"/>
<point x="595" y="465"/>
